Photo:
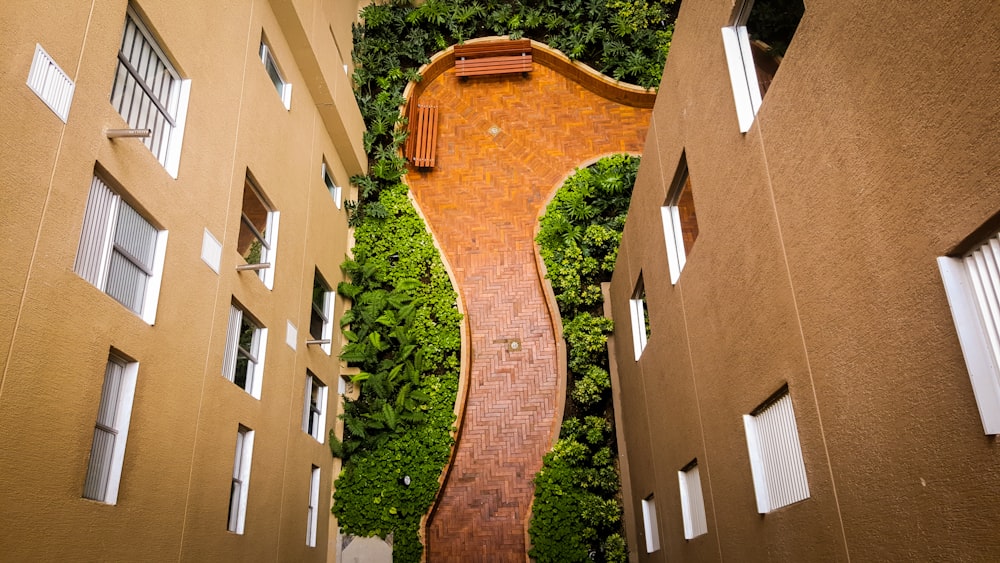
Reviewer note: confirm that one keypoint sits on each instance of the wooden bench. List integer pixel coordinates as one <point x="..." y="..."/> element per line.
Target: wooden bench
<point x="493" y="57"/>
<point x="421" y="144"/>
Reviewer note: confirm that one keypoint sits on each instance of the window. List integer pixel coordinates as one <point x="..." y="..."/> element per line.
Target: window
<point x="258" y="238"/>
<point x="314" y="413"/>
<point x="50" y="83"/>
<point x="680" y="224"/>
<point x="779" y="474"/>
<point x="320" y="325"/>
<point x="313" y="513"/>
<point x="241" y="480"/>
<point x="640" y="318"/>
<point x="271" y="66"/>
<point x="149" y="93"/>
<point x="120" y="252"/>
<point x="755" y="43"/>
<point x="972" y="283"/>
<point x="345" y="387"/>
<point x="335" y="191"/>
<point x="104" y="470"/>
<point x="246" y="342"/>
<point x="692" y="501"/>
<point x="649" y="524"/>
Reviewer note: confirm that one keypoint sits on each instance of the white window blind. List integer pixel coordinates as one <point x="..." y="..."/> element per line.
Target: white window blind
<point x="313" y="514"/>
<point x="110" y="431"/>
<point x="779" y="472"/>
<point x="241" y="480"/>
<point x="650" y="526"/>
<point x="692" y="502"/>
<point x="50" y="83"/>
<point x="972" y="284"/>
<point x="120" y="252"/>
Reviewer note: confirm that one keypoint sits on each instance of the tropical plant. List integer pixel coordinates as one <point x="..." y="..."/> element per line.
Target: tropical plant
<point x="576" y="515"/>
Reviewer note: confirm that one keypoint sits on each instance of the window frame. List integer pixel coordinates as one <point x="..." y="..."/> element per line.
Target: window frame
<point x="692" y="501"/>
<point x="336" y="192"/>
<point x="637" y="312"/>
<point x="742" y="70"/>
<point x="673" y="227"/>
<point x="314" y="415"/>
<point x="325" y="312"/>
<point x="168" y="134"/>
<point x="242" y="461"/>
<point x="270" y="62"/>
<point x="98" y="245"/>
<point x="776" y="414"/>
<point x="268" y="239"/>
<point x="238" y="316"/>
<point x="972" y="285"/>
<point x="312" y="515"/>
<point x="650" y="524"/>
<point x="118" y="428"/>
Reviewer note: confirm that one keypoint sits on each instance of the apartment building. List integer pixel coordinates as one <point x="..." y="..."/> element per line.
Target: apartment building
<point x="805" y="300"/>
<point x="172" y="204"/>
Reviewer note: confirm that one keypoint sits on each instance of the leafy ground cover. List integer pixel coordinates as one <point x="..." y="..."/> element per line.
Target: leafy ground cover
<point x="577" y="512"/>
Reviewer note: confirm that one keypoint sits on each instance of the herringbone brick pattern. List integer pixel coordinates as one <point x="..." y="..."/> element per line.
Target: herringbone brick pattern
<point x="503" y="144"/>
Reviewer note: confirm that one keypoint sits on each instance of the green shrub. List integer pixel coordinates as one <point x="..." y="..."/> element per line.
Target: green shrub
<point x="590" y="388"/>
<point x="586" y="340"/>
<point x="403" y="333"/>
<point x="576" y="511"/>
<point x="569" y="518"/>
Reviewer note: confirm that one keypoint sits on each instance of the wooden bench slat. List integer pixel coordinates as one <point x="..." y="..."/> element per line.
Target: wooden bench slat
<point x="474" y="50"/>
<point x="424" y="135"/>
<point x="496" y="57"/>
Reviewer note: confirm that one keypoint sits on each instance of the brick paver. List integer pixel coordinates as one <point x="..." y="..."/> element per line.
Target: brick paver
<point x="504" y="143"/>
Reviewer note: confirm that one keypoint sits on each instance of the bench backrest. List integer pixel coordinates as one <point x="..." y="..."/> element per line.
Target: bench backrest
<point x="493" y="49"/>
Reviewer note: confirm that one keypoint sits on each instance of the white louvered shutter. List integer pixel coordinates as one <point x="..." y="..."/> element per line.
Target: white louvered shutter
<point x="232" y="341"/>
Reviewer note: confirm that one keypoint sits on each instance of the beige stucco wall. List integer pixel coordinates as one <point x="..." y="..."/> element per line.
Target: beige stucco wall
<point x="56" y="329"/>
<point x="873" y="153"/>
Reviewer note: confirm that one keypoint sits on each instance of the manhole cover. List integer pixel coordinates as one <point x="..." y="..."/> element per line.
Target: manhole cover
<point x="494" y="131"/>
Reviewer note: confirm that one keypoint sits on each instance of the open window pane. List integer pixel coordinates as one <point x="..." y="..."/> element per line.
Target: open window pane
<point x="243" y="360"/>
<point x="640" y="319"/>
<point x="680" y="222"/>
<point x="755" y="44"/>
<point x="258" y="235"/>
<point x="283" y="88"/>
<point x="314" y="411"/>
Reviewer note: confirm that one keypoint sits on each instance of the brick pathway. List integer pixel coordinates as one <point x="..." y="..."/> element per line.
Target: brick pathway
<point x="503" y="145"/>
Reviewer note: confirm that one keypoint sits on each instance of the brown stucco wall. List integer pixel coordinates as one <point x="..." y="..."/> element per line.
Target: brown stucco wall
<point x="873" y="153"/>
<point x="56" y="329"/>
